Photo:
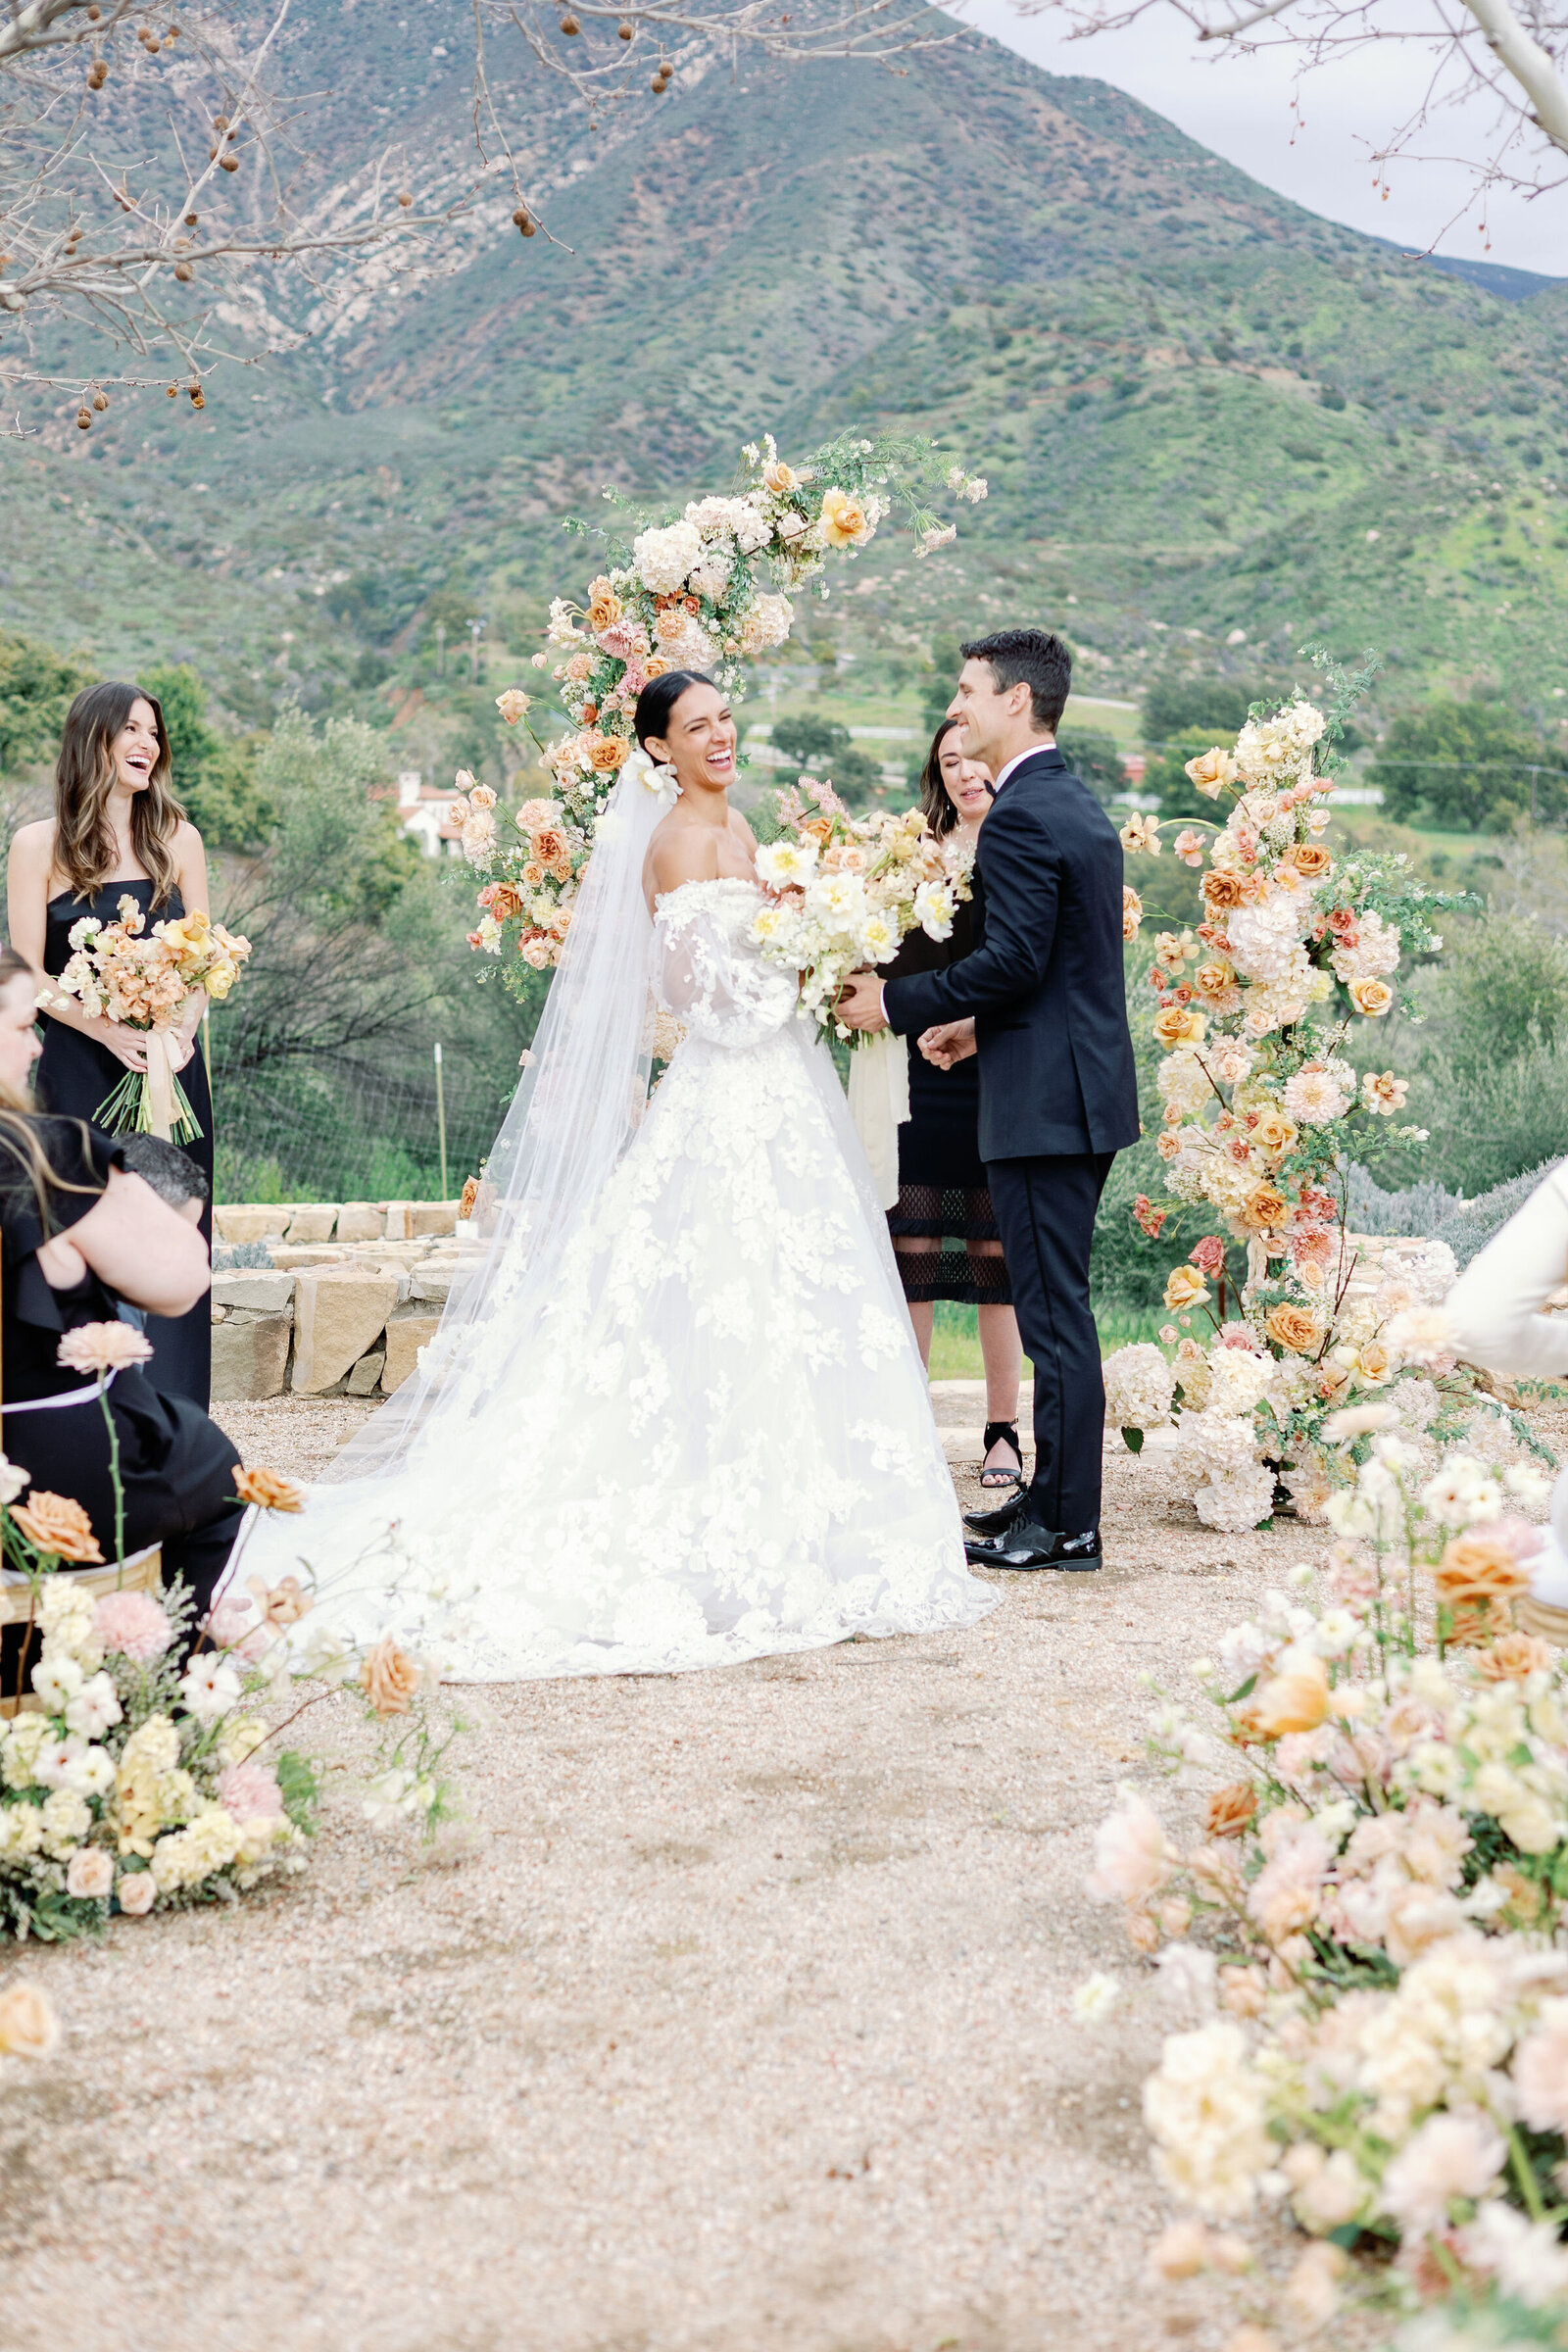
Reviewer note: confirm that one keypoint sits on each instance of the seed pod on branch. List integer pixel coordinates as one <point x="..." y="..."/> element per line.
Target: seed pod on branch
<point x="229" y="163"/>
<point x="570" y="25"/>
<point x="198" y="398"/>
<point x="100" y="401"/>
<point x="522" y="220"/>
<point x="625" y="31"/>
<point x="85" y="420"/>
<point x="184" y="273"/>
<point x="405" y="197"/>
<point x="97" y="73"/>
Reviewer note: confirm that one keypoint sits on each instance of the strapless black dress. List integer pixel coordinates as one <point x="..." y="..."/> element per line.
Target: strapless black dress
<point x="75" y="1074"/>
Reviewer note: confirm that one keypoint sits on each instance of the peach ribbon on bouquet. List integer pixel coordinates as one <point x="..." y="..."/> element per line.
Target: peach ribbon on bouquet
<point x="879" y="1104"/>
<point x="160" y="1086"/>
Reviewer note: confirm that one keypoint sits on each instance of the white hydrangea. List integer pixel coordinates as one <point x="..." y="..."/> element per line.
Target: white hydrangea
<point x="1238" y="1379"/>
<point x="1233" y="1505"/>
<point x="1376" y="950"/>
<point x="1214" y="1444"/>
<point x="666" y="558"/>
<point x="1265" y="938"/>
<point x="1206" y="2109"/>
<point x="1139" y="1383"/>
<point x="1183" y="1082"/>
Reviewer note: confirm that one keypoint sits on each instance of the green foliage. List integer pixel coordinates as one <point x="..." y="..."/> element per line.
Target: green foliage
<point x="824" y="749"/>
<point x="1501" y="992"/>
<point x="214" y="777"/>
<point x="1097" y="759"/>
<point x="1214" y="707"/>
<point x="36" y="689"/>
<point x="1165" y="775"/>
<point x="1467" y="765"/>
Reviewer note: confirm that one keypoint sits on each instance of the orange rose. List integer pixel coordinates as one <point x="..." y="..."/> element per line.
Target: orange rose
<point x="533" y="873"/>
<point x="1211" y="772"/>
<point x="1230" y="1810"/>
<point x="818" y="828"/>
<point x="1297" y="1700"/>
<point x="1274" y="1134"/>
<point x="778" y="477"/>
<point x="1266" y="1211"/>
<point x="471" y="1194"/>
<point x="1132" y="913"/>
<point x="56" y="1524"/>
<point x="561" y="869"/>
<point x="268" y="1489"/>
<point x="1309" y="860"/>
<point x="606" y="754"/>
<point x="549" y="842"/>
<point x="654" y="666"/>
<point x="1478" y="1567"/>
<point x="1179" y="1025"/>
<point x="1214" y="978"/>
<point x="389" y="1678"/>
<point x="604" y="609"/>
<point x="1371" y="997"/>
<point x="1167" y="1142"/>
<point x="1297" y="1331"/>
<point x="505" y="901"/>
<point x="1222" y="891"/>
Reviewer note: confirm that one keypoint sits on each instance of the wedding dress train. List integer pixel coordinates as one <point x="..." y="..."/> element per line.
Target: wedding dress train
<point x="718" y="1442"/>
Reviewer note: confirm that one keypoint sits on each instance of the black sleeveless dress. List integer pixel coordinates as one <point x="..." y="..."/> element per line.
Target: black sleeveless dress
<point x="75" y="1074"/>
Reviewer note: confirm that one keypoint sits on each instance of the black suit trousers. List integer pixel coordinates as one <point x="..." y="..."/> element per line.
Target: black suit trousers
<point x="1045" y="1211"/>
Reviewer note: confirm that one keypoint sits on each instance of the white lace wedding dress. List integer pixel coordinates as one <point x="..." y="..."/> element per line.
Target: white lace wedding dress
<point x="720" y="1442"/>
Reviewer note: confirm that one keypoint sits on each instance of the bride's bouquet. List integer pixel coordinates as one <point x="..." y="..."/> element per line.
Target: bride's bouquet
<point x="845" y="889"/>
<point x="143" y="980"/>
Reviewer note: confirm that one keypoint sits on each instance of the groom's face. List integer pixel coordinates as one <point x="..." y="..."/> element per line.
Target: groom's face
<point x="981" y="713"/>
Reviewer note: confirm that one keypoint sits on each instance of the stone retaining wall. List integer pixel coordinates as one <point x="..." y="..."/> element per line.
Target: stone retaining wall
<point x="341" y="1310"/>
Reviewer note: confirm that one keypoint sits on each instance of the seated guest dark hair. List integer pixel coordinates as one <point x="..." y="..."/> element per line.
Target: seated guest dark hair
<point x="1031" y="658"/>
<point x="173" y="1173"/>
<point x="940" y="809"/>
<point x="78" y="1234"/>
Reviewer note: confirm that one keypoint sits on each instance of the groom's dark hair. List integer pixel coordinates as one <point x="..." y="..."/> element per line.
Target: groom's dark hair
<point x="1033" y="658"/>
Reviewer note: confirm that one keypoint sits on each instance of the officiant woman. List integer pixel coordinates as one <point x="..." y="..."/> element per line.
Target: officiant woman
<point x="77" y="1235"/>
<point x="117" y="831"/>
<point x="944" y="1233"/>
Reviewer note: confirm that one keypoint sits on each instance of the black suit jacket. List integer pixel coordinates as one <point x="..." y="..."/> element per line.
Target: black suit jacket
<point x="1045" y="980"/>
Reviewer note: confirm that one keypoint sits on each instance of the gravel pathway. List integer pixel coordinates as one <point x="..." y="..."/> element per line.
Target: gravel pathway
<point x="738" y="2017"/>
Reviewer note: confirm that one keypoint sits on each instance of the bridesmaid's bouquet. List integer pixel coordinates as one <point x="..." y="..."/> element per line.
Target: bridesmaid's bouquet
<point x="845" y="889"/>
<point x="143" y="980"/>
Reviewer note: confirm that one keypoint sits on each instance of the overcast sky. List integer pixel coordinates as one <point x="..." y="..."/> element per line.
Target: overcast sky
<point x="1240" y="107"/>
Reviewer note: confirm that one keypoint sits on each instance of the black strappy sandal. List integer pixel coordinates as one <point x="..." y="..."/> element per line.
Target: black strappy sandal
<point x="997" y="1476"/>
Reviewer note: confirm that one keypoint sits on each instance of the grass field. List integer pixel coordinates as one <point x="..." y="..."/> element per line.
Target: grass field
<point x="955" y="1343"/>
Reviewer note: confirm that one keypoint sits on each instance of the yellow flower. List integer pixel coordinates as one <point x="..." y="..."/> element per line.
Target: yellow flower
<point x="1179" y="1025"/>
<point x="1211" y="772"/>
<point x="778" y="477"/>
<point x="1371" y="997"/>
<point x="1185" y="1287"/>
<point x="1132" y="913"/>
<point x="844" y="519"/>
<point x="1296" y="1700"/>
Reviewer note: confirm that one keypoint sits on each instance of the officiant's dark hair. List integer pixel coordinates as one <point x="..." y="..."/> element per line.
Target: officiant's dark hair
<point x="1031" y="658"/>
<point x="659" y="698"/>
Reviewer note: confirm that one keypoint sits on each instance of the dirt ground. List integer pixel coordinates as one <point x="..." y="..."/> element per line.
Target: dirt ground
<point x="739" y="2016"/>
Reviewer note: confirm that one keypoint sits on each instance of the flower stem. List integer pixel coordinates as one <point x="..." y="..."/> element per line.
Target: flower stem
<point x="117" y="1481"/>
<point x="1525" y="2175"/>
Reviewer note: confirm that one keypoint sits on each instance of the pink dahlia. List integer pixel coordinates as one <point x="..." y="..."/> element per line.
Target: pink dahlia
<point x="250" y="1792"/>
<point x="135" y="1624"/>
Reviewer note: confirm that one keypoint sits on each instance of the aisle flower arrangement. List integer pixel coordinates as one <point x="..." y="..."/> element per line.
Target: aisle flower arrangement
<point x="143" y="1770"/>
<point x="1267" y="1018"/>
<point x="843" y="890"/>
<point x="1373" y="1919"/>
<point x="143" y="980"/>
<point x="690" y="592"/>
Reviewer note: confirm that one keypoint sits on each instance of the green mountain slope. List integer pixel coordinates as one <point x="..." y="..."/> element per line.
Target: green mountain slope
<point x="1202" y="410"/>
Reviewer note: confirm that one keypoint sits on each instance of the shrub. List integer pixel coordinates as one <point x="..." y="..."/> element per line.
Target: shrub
<point x="1471" y="1226"/>
<point x="1467" y="765"/>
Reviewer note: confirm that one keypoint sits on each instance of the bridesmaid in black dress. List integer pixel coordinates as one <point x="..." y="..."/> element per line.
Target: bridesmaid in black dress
<point x="117" y="831"/>
<point x="943" y="1228"/>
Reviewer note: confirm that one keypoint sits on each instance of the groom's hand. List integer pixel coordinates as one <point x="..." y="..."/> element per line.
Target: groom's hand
<point x="948" y="1042"/>
<point x="859" y="1004"/>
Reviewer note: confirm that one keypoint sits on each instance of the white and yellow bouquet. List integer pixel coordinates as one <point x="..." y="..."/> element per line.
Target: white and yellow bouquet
<point x="144" y="980"/>
<point x="688" y="593"/>
<point x="845" y="889"/>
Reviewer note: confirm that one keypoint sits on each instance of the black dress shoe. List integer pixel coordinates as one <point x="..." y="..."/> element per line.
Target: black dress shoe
<point x="1028" y="1544"/>
<point x="997" y="1522"/>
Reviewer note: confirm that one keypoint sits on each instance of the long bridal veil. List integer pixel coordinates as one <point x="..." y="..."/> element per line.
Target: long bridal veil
<point x="576" y="1106"/>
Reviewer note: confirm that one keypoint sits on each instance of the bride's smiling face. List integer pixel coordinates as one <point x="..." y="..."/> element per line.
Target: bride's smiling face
<point x="700" y="739"/>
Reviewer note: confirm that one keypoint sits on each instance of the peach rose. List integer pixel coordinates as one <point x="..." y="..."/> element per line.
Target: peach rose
<point x="136" y="1892"/>
<point x="779" y="477"/>
<point x="27" y="2027"/>
<point x="549" y="842"/>
<point x="90" y="1876"/>
<point x="1479" y="1566"/>
<point x="55" y="1524"/>
<point x="506" y="903"/>
<point x="389" y="1678"/>
<point x="1132" y="913"/>
<point x="1223" y="890"/>
<point x="1296" y="1700"/>
<point x="1213" y="979"/>
<point x="1167" y="1142"/>
<point x="606" y="754"/>
<point x="1274" y="1134"/>
<point x="1371" y="997"/>
<point x="268" y="1489"/>
<point x="1211" y="772"/>
<point x="604" y="607"/>
<point x="844" y="519"/>
<point x="283" y="1603"/>
<point x="533" y="873"/>
<point x="1179" y="1025"/>
<point x="1268" y="1209"/>
<point x="471" y="1194"/>
<point x="1373" y="1363"/>
<point x="1295" y="1329"/>
<point x="1514" y="1657"/>
<point x="513" y="704"/>
<point x="654" y="666"/>
<point x="1230" y="1810"/>
<point x="1309" y="860"/>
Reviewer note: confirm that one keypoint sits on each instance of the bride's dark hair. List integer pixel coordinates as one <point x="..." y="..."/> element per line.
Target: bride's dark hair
<point x="659" y="698"/>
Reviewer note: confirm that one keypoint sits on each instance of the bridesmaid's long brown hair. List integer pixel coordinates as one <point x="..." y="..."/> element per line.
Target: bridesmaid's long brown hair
<point x="939" y="814"/>
<point x="85" y="847"/>
<point x="19" y="1117"/>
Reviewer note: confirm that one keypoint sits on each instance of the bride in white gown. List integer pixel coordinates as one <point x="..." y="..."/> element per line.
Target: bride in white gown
<point x="677" y="1418"/>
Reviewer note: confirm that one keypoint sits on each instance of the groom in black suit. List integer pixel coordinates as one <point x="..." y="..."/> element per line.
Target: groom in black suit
<point x="1042" y="1001"/>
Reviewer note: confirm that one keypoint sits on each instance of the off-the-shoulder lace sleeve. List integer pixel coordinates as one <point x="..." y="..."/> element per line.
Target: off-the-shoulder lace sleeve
<point x="712" y="974"/>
